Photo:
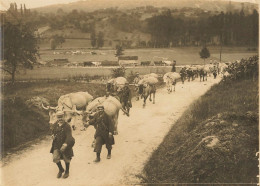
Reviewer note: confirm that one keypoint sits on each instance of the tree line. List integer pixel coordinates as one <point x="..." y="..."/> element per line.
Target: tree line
<point x="226" y="28"/>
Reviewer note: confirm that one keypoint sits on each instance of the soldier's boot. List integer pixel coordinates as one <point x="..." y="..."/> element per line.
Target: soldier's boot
<point x="61" y="170"/>
<point x="98" y="158"/>
<point x="67" y="170"/>
<point x="108" y="153"/>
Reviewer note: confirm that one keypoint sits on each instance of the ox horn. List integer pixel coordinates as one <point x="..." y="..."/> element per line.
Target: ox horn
<point x="54" y="108"/>
<point x="46" y="108"/>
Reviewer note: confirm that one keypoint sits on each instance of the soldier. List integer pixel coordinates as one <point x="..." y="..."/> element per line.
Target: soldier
<point x="104" y="132"/>
<point x="125" y="98"/>
<point x="182" y="73"/>
<point x="62" y="144"/>
<point x="173" y="66"/>
<point x="136" y="80"/>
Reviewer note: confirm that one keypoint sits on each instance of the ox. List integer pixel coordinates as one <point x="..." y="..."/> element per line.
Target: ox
<point x="111" y="107"/>
<point x="97" y="64"/>
<point x="145" y="63"/>
<point x="146" y="90"/>
<point x="170" y="78"/>
<point x="203" y="74"/>
<point x="69" y="103"/>
<point x="170" y="83"/>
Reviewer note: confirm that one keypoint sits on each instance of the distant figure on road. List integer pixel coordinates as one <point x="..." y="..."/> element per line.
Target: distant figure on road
<point x="62" y="144"/>
<point x="183" y="74"/>
<point x="125" y="98"/>
<point x="215" y="73"/>
<point x="173" y="66"/>
<point x="136" y="80"/>
<point x="104" y="132"/>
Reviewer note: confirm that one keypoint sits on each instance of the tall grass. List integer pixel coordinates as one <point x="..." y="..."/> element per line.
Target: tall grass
<point x="223" y="112"/>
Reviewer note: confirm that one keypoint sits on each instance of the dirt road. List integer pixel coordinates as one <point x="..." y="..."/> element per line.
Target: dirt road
<point x="139" y="135"/>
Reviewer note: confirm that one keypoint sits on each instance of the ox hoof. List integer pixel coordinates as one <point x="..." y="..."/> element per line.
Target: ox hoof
<point x="115" y="133"/>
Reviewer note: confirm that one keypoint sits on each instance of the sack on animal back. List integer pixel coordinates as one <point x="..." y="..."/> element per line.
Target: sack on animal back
<point x="151" y="75"/>
<point x="110" y="108"/>
<point x="172" y="75"/>
<point x="115" y="101"/>
<point x="150" y="80"/>
<point x="93" y="105"/>
<point x="120" y="81"/>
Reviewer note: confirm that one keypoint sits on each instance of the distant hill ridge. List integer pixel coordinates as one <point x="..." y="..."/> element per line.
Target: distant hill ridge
<point x="92" y="5"/>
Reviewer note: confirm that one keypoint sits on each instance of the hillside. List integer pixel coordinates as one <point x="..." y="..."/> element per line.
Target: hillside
<point x="92" y="5"/>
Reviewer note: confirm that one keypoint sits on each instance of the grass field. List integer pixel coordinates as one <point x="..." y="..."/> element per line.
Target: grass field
<point x="183" y="56"/>
<point x="215" y="140"/>
<point x="48" y="73"/>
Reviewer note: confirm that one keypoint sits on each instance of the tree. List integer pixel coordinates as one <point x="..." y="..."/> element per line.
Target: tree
<point x="204" y="53"/>
<point x="93" y="39"/>
<point x="100" y="39"/>
<point x="119" y="51"/>
<point x="20" y="47"/>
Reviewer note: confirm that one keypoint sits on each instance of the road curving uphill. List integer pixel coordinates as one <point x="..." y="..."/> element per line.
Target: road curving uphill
<point x="139" y="135"/>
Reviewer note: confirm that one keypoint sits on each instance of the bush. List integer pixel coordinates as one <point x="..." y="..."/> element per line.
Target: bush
<point x="118" y="72"/>
<point x="244" y="69"/>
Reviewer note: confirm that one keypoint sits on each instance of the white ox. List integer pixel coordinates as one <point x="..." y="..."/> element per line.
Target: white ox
<point x="97" y="64"/>
<point x="70" y="103"/>
<point x="170" y="78"/>
<point x="111" y="108"/>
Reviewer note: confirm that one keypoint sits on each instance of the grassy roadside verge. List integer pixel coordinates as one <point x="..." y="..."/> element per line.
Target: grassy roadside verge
<point x="215" y="140"/>
<point x="24" y="121"/>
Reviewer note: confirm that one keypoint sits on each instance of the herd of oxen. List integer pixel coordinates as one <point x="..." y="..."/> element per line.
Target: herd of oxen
<point x="80" y="106"/>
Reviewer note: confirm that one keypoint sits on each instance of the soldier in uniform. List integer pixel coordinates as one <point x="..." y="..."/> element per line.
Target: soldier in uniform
<point x="62" y="144"/>
<point x="125" y="98"/>
<point x="182" y="73"/>
<point x="173" y="66"/>
<point x="136" y="80"/>
<point x="104" y="132"/>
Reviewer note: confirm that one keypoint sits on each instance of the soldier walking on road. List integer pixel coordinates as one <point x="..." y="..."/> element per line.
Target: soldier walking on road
<point x="125" y="98"/>
<point x="104" y="132"/>
<point x="182" y="73"/>
<point x="62" y="144"/>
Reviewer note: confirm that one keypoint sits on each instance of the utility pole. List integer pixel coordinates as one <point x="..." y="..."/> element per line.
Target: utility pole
<point x="220" y="47"/>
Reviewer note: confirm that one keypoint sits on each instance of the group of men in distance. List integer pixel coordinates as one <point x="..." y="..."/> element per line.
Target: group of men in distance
<point x="63" y="140"/>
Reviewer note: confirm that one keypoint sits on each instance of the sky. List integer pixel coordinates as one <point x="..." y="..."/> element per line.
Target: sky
<point x="4" y="4"/>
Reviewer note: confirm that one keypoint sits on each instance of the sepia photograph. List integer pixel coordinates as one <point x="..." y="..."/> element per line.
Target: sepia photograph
<point x="129" y="92"/>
